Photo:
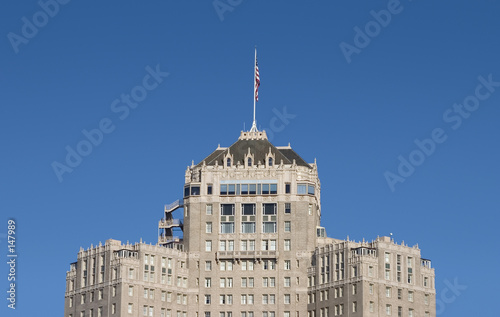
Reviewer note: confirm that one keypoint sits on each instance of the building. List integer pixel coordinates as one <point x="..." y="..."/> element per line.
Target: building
<point x="251" y="246"/>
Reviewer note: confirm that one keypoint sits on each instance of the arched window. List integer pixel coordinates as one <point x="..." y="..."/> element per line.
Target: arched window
<point x="249" y="161"/>
<point x="270" y="161"/>
<point x="228" y="164"/>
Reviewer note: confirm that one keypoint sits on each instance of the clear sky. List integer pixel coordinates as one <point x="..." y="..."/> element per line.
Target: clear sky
<point x="142" y="88"/>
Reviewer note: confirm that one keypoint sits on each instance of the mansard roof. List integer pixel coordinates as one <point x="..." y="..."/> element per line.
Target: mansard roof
<point x="259" y="147"/>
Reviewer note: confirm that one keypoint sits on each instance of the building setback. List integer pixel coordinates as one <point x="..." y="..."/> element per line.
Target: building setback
<point x="252" y="246"/>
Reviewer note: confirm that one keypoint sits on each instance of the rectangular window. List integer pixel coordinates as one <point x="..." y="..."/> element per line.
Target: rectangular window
<point x="208" y="227"/>
<point x="248" y="209"/>
<point x="209" y="189"/>
<point x="286" y="299"/>
<point x="410" y="296"/>
<point x="248" y="227"/>
<point x="208" y="265"/>
<point x="227" y="209"/>
<point x="301" y="189"/>
<point x="269" y="209"/>
<point x="288" y="226"/>
<point x="227" y="227"/>
<point x="388" y="310"/>
<point x="288" y="208"/>
<point x="286" y="282"/>
<point x="287" y="188"/>
<point x="388" y="292"/>
<point x="208" y="245"/>
<point x="208" y="299"/>
<point x="287" y="265"/>
<point x="208" y="209"/>
<point x="269" y="227"/>
<point x="287" y="244"/>
<point x="310" y="189"/>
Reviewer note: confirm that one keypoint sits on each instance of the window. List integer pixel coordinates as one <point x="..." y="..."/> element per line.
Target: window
<point x="372" y="304"/>
<point x="228" y="162"/>
<point x="354" y="289"/>
<point x="272" y="282"/>
<point x="130" y="290"/>
<point x="208" y="209"/>
<point x="288" y="226"/>
<point x="287" y="265"/>
<point x="207" y="299"/>
<point x="287" y="244"/>
<point x="227" y="209"/>
<point x="354" y="307"/>
<point x="370" y="271"/>
<point x="272" y="299"/>
<point x="265" y="281"/>
<point x="130" y="308"/>
<point x="400" y="291"/>
<point x="310" y="189"/>
<point x="247" y="227"/>
<point x="227" y="227"/>
<point x="113" y="308"/>
<point x="265" y="299"/>
<point x="288" y="208"/>
<point x="301" y="189"/>
<point x="269" y="209"/>
<point x="270" y="161"/>
<point x="410" y="312"/>
<point x="410" y="296"/>
<point x="243" y="282"/>
<point x="387" y="292"/>
<point x="209" y="189"/>
<point x="287" y="188"/>
<point x="195" y="190"/>
<point x="248" y="209"/>
<point x="287" y="281"/>
<point x="208" y="227"/>
<point x="208" y="245"/>
<point x="269" y="227"/>
<point x="208" y="265"/>
<point x="287" y="299"/>
<point x="388" y="310"/>
<point x="208" y="282"/>
<point x="371" y="289"/>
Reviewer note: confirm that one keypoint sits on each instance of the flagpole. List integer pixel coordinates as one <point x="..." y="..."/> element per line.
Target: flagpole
<point x="254" y="124"/>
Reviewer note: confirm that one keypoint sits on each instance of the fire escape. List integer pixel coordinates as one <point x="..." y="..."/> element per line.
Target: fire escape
<point x="168" y="226"/>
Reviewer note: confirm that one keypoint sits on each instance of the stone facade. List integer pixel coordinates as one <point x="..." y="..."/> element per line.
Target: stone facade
<point x="252" y="245"/>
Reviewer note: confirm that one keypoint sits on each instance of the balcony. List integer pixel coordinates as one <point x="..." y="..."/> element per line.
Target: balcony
<point x="246" y="255"/>
<point x="165" y="224"/>
<point x="168" y="239"/>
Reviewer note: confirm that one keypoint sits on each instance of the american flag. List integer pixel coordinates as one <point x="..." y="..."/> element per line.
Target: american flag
<point x="257" y="81"/>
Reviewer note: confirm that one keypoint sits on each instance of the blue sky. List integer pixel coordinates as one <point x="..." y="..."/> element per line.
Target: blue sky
<point x="359" y="87"/>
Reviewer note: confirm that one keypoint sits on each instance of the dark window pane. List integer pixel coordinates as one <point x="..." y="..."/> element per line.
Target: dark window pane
<point x="265" y="189"/>
<point x="310" y="190"/>
<point x="209" y="190"/>
<point x="227" y="209"/>
<point x="231" y="189"/>
<point x="248" y="209"/>
<point x="244" y="189"/>
<point x="253" y="189"/>
<point x="223" y="189"/>
<point x="269" y="209"/>
<point x="287" y="188"/>
<point x="195" y="190"/>
<point x="186" y="191"/>
<point x="274" y="189"/>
